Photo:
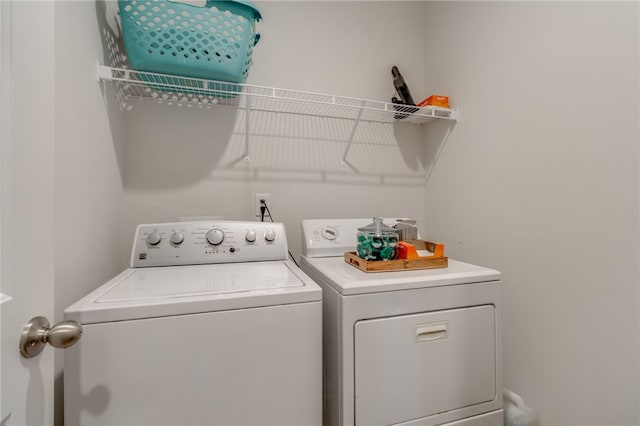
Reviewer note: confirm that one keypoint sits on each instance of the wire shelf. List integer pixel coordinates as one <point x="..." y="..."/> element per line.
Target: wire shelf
<point x="206" y="93"/>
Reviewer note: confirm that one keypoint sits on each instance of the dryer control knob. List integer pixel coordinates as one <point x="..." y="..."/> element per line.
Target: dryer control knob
<point x="330" y="233"/>
<point x="153" y="239"/>
<point x="215" y="236"/>
<point x="176" y="238"/>
<point x="250" y="236"/>
<point x="270" y="235"/>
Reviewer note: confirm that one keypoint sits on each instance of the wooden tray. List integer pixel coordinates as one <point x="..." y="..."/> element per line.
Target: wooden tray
<point x="438" y="260"/>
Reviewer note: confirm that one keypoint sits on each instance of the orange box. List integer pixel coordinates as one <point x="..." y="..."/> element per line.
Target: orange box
<point x="435" y="100"/>
<point x="405" y="250"/>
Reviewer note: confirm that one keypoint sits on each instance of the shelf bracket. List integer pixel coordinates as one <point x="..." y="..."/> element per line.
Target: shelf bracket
<point x="103" y="73"/>
<point x="353" y="132"/>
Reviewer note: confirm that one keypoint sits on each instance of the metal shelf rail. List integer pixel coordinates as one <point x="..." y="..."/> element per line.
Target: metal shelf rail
<point x="201" y="93"/>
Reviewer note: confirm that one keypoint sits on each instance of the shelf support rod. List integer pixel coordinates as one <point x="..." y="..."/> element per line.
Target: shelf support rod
<point x="247" y="127"/>
<point x="353" y="132"/>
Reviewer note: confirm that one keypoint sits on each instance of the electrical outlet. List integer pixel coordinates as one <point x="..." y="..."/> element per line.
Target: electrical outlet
<point x="259" y="197"/>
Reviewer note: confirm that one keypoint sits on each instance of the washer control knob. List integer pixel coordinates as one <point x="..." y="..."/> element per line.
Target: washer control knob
<point x="215" y="236"/>
<point x="270" y="235"/>
<point x="250" y="236"/>
<point x="153" y="239"/>
<point x="176" y="238"/>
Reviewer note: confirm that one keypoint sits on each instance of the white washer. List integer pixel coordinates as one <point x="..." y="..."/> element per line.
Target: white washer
<point x="407" y="347"/>
<point x="211" y="325"/>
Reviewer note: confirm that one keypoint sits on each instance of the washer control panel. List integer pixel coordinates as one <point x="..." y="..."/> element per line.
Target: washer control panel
<point x="204" y="242"/>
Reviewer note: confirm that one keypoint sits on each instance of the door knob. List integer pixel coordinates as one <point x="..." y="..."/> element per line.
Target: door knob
<point x="37" y="333"/>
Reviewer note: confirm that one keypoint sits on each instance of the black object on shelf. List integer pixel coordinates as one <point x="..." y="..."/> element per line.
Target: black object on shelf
<point x="402" y="110"/>
<point x="401" y="87"/>
<point x="403" y="104"/>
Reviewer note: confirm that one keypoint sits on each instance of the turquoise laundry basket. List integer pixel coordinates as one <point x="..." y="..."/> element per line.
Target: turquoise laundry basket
<point x="212" y="41"/>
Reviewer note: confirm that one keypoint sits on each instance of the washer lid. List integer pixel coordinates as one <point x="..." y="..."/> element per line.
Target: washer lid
<point x="177" y="290"/>
<point x="348" y="280"/>
<point x="166" y="282"/>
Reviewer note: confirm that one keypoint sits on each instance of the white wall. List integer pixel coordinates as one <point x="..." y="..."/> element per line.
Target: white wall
<point x="181" y="162"/>
<point x="88" y="163"/>
<point x="89" y="156"/>
<point x="540" y="180"/>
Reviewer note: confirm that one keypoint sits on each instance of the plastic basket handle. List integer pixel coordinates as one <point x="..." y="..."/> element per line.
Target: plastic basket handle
<point x="202" y="3"/>
<point x="207" y="4"/>
<point x="194" y="3"/>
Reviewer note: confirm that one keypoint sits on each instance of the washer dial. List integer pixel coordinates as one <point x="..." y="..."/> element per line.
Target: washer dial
<point x="270" y="235"/>
<point x="176" y="238"/>
<point x="250" y="236"/>
<point x="153" y="239"/>
<point x="215" y="236"/>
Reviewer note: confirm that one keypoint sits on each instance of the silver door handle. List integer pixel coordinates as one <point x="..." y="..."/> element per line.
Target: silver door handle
<point x="37" y="333"/>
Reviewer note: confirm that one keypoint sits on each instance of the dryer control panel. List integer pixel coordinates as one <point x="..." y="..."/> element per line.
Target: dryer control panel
<point x="205" y="242"/>
<point x="332" y="237"/>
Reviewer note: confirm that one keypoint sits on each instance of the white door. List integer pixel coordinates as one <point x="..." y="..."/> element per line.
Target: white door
<point x="26" y="213"/>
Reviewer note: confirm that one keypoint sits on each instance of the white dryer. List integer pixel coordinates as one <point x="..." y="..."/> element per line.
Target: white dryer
<point x="408" y="347"/>
<point x="210" y="325"/>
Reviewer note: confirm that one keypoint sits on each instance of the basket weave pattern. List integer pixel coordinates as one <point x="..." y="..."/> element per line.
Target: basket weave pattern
<point x="213" y="42"/>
